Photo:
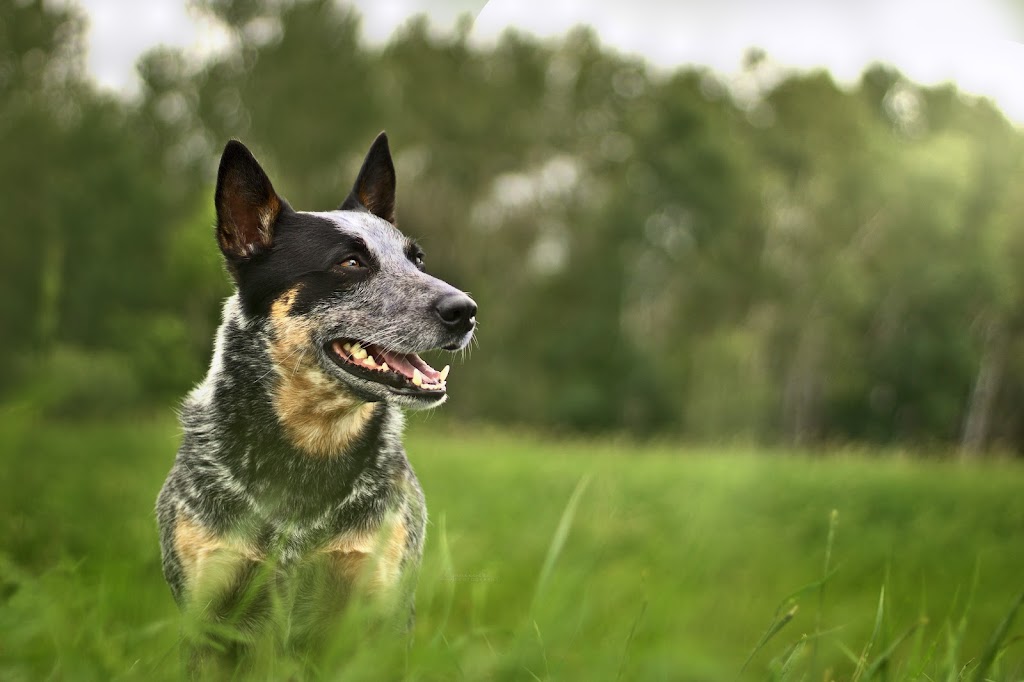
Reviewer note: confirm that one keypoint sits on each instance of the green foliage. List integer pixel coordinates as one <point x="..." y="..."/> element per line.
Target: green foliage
<point x="68" y="381"/>
<point x="773" y="259"/>
<point x="662" y="564"/>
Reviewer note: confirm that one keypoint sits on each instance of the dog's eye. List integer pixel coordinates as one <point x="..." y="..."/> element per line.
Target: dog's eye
<point x="418" y="261"/>
<point x="350" y="262"/>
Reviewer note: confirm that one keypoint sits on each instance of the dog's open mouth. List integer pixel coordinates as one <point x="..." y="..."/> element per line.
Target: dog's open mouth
<point x="405" y="372"/>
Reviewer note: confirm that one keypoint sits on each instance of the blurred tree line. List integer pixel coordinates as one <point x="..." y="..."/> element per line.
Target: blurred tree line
<point x="773" y="257"/>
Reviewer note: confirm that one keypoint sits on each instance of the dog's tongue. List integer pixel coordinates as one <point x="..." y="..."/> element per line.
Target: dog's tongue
<point x="404" y="363"/>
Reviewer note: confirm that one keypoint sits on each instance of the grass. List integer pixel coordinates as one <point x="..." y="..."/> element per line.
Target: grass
<point x="558" y="560"/>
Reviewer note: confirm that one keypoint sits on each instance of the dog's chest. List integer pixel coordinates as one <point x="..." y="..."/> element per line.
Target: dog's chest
<point x="323" y="572"/>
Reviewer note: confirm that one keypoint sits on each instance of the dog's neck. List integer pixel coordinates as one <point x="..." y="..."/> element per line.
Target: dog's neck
<point x="283" y="430"/>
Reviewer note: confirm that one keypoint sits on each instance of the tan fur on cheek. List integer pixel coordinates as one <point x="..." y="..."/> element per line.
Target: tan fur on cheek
<point x="317" y="414"/>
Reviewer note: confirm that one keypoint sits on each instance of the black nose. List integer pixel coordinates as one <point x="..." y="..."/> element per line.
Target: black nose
<point x="457" y="311"/>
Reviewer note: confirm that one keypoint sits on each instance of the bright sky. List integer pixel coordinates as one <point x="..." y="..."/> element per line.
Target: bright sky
<point x="974" y="43"/>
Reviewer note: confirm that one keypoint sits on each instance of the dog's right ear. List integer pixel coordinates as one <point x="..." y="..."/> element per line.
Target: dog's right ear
<point x="374" y="190"/>
<point x="247" y="205"/>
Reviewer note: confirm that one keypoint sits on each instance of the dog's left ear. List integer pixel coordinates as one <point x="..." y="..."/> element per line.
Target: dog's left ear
<point x="247" y="205"/>
<point x="374" y="190"/>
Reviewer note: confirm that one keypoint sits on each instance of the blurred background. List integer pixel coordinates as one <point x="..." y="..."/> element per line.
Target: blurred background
<point x="739" y="265"/>
<point x="701" y="240"/>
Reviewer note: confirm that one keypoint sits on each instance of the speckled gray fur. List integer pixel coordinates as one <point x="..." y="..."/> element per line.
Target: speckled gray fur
<point x="236" y="472"/>
<point x="291" y="455"/>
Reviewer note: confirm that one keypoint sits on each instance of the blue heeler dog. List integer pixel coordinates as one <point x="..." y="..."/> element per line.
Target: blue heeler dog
<point x="292" y="454"/>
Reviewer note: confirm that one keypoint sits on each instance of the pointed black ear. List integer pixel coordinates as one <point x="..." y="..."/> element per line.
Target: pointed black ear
<point x="374" y="190"/>
<point x="246" y="202"/>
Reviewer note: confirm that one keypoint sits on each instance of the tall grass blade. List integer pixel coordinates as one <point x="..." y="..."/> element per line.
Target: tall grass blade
<point x="914" y="658"/>
<point x="791" y="657"/>
<point x="956" y="636"/>
<point x="629" y="639"/>
<point x="773" y="629"/>
<point x="792" y="597"/>
<point x="833" y="521"/>
<point x="879" y="615"/>
<point x="558" y="540"/>
<point x="883" y="659"/>
<point x="784" y="613"/>
<point x="543" y="651"/>
<point x="850" y="654"/>
<point x="448" y="577"/>
<point x="992" y="649"/>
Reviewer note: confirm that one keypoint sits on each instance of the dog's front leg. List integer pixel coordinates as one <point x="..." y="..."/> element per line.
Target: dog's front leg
<point x="227" y="601"/>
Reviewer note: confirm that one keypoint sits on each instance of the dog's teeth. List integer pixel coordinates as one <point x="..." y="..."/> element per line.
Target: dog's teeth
<point x="417" y="378"/>
<point x="444" y="373"/>
<point x="370" y="362"/>
<point x="384" y="366"/>
<point x="347" y="347"/>
<point x="358" y="353"/>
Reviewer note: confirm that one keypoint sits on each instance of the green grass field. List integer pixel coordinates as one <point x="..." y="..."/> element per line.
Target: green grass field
<point x="669" y="563"/>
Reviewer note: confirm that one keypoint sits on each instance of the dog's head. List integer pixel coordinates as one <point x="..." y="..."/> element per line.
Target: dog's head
<point x="346" y="298"/>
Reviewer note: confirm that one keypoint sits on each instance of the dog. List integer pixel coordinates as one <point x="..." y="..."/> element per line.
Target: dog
<point x="292" y="455"/>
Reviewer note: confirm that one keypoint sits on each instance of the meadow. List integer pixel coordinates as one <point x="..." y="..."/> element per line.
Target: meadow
<point x="558" y="559"/>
